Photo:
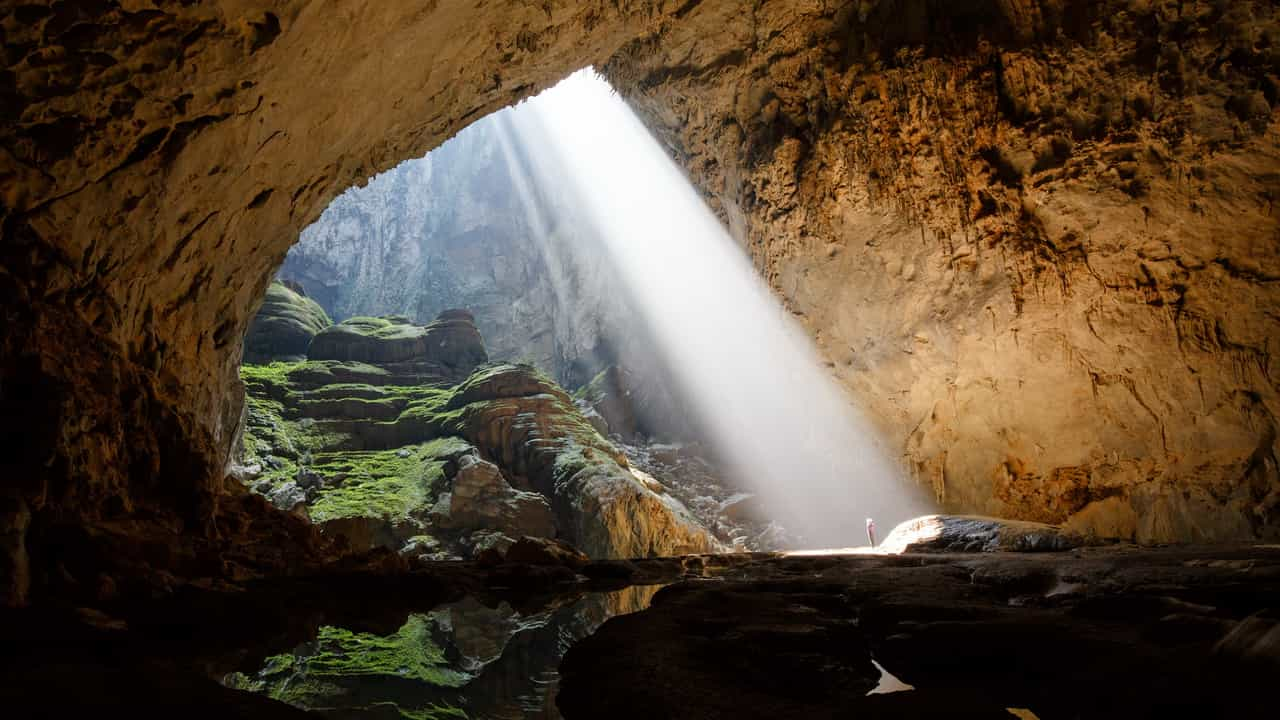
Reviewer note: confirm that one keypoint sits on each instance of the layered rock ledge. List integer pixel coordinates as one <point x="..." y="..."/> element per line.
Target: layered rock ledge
<point x="372" y="439"/>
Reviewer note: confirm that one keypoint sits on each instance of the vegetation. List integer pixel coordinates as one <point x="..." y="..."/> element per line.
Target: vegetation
<point x="381" y="483"/>
<point x="389" y="327"/>
<point x="408" y="653"/>
<point x="322" y="673"/>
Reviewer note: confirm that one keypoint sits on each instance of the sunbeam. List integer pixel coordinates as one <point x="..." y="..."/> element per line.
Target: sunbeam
<point x="750" y="372"/>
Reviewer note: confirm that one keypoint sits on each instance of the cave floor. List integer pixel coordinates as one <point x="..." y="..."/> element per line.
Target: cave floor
<point x="1088" y="633"/>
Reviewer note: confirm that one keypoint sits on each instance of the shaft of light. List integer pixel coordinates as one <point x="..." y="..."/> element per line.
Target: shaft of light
<point x="784" y="426"/>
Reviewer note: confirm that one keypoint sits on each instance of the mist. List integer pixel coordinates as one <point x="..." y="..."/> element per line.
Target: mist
<point x="786" y="430"/>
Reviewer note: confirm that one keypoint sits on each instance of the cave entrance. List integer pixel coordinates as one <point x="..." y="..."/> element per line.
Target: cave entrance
<point x="648" y="395"/>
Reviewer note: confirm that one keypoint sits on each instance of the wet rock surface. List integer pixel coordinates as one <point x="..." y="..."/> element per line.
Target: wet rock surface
<point x="1099" y="633"/>
<point x="1115" y="632"/>
<point x="376" y="440"/>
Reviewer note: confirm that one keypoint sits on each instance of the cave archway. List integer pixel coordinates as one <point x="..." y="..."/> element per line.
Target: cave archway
<point x="159" y="162"/>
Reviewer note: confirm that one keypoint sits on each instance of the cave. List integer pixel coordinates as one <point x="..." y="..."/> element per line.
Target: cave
<point x="1034" y="240"/>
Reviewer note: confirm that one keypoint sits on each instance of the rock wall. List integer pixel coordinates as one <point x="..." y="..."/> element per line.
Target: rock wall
<point x="158" y="160"/>
<point x="1037" y="239"/>
<point x="1037" y="236"/>
<point x="466" y="226"/>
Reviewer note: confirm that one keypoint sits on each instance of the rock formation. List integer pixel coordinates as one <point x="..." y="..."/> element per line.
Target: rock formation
<point x="449" y="347"/>
<point x="1035" y="237"/>
<point x="468" y="226"/>
<point x="284" y="325"/>
<point x="375" y="439"/>
<point x="1114" y="633"/>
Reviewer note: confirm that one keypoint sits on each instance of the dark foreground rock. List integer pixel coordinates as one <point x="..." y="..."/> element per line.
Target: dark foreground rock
<point x="1094" y="633"/>
<point x="1111" y="632"/>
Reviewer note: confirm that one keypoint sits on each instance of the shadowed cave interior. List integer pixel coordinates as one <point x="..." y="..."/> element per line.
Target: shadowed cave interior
<point x="885" y="359"/>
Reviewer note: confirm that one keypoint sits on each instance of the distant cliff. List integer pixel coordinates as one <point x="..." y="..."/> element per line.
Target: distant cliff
<point x="462" y="228"/>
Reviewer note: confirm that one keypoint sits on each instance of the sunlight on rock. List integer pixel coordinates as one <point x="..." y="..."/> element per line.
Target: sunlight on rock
<point x="754" y="379"/>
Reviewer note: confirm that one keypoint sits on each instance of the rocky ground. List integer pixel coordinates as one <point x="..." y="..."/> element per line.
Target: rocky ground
<point x="398" y="435"/>
<point x="1094" y="633"/>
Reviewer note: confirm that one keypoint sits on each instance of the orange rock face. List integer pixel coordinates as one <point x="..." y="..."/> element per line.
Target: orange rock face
<point x="1033" y="230"/>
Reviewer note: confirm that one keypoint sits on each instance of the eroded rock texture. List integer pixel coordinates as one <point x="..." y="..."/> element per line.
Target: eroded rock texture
<point x="284" y="326"/>
<point x="1038" y="239"/>
<point x="1036" y="236"/>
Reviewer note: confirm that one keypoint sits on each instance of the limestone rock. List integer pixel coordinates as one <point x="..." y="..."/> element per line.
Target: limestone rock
<point x="14" y="565"/>
<point x="284" y="326"/>
<point x="479" y="497"/>
<point x="1040" y="289"/>
<point x="1036" y="337"/>
<point x="451" y="345"/>
<point x="967" y="533"/>
<point x="531" y="428"/>
<point x="289" y="497"/>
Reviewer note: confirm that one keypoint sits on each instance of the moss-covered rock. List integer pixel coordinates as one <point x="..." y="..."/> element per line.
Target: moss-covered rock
<point x="383" y="464"/>
<point x="284" y="326"/>
<point x="450" y="346"/>
<point x="402" y="675"/>
<point x="530" y="427"/>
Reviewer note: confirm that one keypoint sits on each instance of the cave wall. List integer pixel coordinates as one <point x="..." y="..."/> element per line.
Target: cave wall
<point x="1027" y="329"/>
<point x="1038" y="239"/>
<point x="158" y="159"/>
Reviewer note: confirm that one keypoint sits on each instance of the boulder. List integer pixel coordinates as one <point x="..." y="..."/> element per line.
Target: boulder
<point x="454" y="342"/>
<point x="545" y="551"/>
<point x="972" y="533"/>
<point x="449" y="347"/>
<point x="288" y="496"/>
<point x="481" y="498"/>
<point x="284" y="326"/>
<point x="377" y="340"/>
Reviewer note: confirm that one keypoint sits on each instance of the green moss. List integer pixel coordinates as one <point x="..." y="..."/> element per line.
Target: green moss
<point x="268" y="440"/>
<point x="385" y="328"/>
<point x="381" y="483"/>
<point x="267" y="380"/>
<point x="435" y="712"/>
<point x="318" y="373"/>
<point x="305" y="692"/>
<point x="595" y="390"/>
<point x="408" y="653"/>
<point x="282" y="302"/>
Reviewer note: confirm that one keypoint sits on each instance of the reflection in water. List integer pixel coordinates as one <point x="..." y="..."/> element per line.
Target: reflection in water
<point x="888" y="683"/>
<point x="463" y="660"/>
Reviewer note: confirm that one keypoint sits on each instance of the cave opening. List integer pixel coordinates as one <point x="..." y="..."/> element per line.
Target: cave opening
<point x="1035" y="239"/>
<point x="552" y="237"/>
<point x="558" y="238"/>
